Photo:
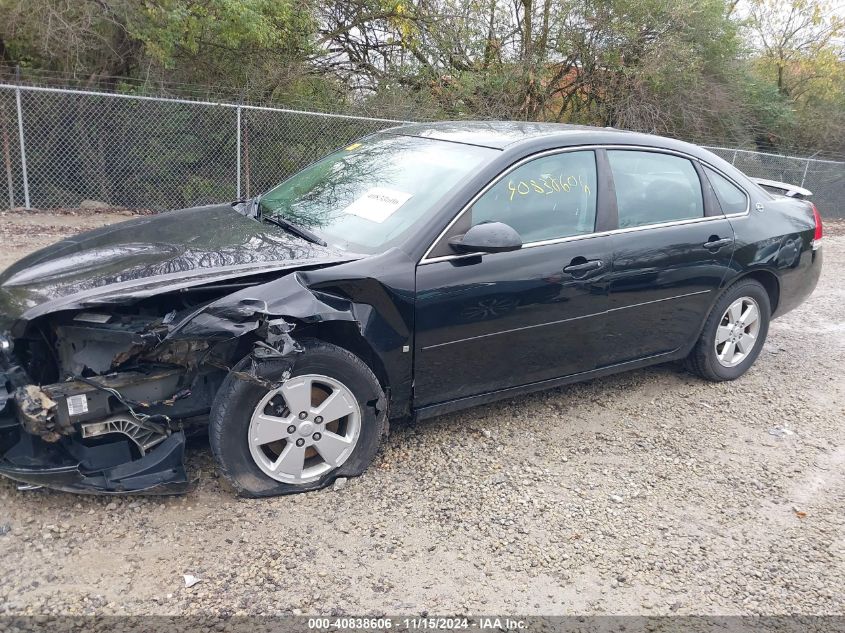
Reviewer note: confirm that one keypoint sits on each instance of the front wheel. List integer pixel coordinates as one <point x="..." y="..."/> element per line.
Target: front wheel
<point x="733" y="334"/>
<point x="325" y="421"/>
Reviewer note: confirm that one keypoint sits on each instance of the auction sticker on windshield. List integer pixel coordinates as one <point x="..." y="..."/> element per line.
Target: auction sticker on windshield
<point x="378" y="203"/>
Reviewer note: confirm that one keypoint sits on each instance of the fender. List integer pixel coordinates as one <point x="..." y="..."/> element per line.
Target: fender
<point x="381" y="310"/>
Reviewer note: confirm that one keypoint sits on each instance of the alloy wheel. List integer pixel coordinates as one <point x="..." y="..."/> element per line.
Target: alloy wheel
<point x="304" y="429"/>
<point x="737" y="333"/>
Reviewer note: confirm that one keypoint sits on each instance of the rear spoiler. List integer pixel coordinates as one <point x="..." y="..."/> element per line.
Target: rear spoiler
<point x="784" y="189"/>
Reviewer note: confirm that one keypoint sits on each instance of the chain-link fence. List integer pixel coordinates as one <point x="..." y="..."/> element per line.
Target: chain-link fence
<point x="64" y="147"/>
<point x="825" y="178"/>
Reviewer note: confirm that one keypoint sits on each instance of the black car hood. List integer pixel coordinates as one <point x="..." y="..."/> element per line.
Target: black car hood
<point x="150" y="255"/>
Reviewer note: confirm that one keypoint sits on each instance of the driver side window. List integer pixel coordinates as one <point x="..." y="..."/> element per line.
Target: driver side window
<point x="544" y="199"/>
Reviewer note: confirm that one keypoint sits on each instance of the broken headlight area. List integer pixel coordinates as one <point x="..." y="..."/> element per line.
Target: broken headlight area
<point x="100" y="401"/>
<point x="118" y="432"/>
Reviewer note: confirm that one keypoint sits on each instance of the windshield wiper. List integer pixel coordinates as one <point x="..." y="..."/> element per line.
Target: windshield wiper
<point x="289" y="226"/>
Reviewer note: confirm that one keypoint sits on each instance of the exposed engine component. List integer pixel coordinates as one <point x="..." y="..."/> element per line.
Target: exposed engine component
<point x="93" y="341"/>
<point x="145" y="434"/>
<point x="99" y="343"/>
<point x="37" y="411"/>
<point x="151" y="398"/>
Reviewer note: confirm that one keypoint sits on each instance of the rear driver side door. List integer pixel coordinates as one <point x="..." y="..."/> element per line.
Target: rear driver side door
<point x="672" y="251"/>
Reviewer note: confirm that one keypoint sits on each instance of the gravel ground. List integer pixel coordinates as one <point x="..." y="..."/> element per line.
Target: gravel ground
<point x="650" y="492"/>
<point x="22" y="232"/>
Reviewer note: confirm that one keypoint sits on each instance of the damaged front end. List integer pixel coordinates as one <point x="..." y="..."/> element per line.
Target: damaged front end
<point x="114" y="342"/>
<point x="103" y="401"/>
<point x="99" y="396"/>
<point x="73" y="421"/>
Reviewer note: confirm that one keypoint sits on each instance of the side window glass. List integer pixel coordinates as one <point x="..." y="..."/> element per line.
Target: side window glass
<point x="544" y="199"/>
<point x="731" y="198"/>
<point x="652" y="188"/>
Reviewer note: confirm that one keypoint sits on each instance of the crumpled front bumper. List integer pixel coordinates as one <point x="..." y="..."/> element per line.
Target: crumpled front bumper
<point x="160" y="472"/>
<point x="71" y="466"/>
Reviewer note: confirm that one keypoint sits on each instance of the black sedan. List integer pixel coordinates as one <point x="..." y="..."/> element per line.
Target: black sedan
<point x="420" y="270"/>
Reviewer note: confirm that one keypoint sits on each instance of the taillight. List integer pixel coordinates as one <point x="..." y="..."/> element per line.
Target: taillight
<point x="817" y="237"/>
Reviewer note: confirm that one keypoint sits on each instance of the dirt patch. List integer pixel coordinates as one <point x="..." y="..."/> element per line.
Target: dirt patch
<point x="22" y="232"/>
<point x="833" y="226"/>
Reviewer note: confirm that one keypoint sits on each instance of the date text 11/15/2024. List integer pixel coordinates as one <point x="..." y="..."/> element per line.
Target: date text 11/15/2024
<point x="352" y="623"/>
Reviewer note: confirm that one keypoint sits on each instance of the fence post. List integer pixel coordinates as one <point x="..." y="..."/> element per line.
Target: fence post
<point x="23" y="149"/>
<point x="238" y="149"/>
<point x="7" y="156"/>
<point x="804" y="175"/>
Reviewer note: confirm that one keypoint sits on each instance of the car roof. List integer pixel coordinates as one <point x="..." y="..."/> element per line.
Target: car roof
<point x="524" y="137"/>
<point x="504" y="134"/>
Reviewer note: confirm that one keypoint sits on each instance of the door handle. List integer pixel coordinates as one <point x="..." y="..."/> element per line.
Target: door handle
<point x="716" y="244"/>
<point x="591" y="264"/>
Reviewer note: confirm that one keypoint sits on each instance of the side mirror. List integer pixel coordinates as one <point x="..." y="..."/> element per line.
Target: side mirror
<point x="488" y="237"/>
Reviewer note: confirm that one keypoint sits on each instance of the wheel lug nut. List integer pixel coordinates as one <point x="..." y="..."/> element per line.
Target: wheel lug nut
<point x="300" y="442"/>
<point x="319" y="419"/>
<point x="303" y="415"/>
<point x="316" y="437"/>
<point x="291" y="429"/>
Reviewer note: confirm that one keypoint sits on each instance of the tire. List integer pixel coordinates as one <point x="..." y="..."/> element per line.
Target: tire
<point x="704" y="359"/>
<point x="321" y="369"/>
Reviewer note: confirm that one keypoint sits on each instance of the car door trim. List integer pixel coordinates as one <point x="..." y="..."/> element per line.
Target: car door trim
<point x="558" y="322"/>
<point x="511" y="330"/>
<point x="574" y="238"/>
<point x="571" y="238"/>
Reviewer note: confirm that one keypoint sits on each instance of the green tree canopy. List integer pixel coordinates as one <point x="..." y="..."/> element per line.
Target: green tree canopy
<point x="742" y="71"/>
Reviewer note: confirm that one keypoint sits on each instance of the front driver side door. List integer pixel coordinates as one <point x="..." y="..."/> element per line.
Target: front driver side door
<point x="487" y="322"/>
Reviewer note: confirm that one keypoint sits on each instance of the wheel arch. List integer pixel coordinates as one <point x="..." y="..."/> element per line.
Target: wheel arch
<point x="701" y="358"/>
<point x="768" y="280"/>
<point x="346" y="334"/>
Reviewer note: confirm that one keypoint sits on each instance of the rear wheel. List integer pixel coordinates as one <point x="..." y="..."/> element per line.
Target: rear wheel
<point x="325" y="421"/>
<point x="733" y="334"/>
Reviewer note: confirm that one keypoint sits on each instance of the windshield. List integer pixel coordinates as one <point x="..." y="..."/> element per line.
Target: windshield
<point x="369" y="196"/>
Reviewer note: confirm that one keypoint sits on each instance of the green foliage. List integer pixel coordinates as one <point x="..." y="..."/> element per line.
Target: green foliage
<point x="714" y="70"/>
<point x="799" y="49"/>
<point x="227" y="43"/>
<point x="173" y="31"/>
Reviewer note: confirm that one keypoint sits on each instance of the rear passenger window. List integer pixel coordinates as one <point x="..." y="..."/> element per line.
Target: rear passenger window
<point x="652" y="188"/>
<point x="544" y="199"/>
<point x="731" y="198"/>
